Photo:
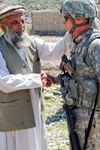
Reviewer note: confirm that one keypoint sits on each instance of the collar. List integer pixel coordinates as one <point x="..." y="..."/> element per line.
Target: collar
<point x="82" y="36"/>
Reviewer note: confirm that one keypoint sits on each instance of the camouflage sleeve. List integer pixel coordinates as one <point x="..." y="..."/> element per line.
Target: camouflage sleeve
<point x="94" y="52"/>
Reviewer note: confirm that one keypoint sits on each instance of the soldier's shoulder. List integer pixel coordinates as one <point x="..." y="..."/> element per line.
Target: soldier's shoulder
<point x="95" y="42"/>
<point x="94" y="46"/>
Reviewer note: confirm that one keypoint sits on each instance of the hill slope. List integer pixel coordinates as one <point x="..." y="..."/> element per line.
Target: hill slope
<point x="34" y="4"/>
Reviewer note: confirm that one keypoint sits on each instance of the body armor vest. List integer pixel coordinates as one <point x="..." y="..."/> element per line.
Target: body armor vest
<point x="87" y="81"/>
<point x="16" y="110"/>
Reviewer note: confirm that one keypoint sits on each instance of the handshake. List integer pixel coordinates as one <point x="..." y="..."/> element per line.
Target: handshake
<point x="65" y="67"/>
<point x="47" y="79"/>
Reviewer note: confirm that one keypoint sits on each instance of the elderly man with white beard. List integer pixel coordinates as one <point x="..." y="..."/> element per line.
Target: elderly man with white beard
<point x="22" y="126"/>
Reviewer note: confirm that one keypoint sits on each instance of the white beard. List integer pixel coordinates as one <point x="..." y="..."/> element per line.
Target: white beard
<point x="17" y="41"/>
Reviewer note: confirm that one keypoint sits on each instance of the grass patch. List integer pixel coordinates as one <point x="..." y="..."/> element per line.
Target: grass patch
<point x="56" y="123"/>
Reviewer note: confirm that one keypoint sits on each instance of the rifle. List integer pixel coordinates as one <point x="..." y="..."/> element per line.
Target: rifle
<point x="64" y="80"/>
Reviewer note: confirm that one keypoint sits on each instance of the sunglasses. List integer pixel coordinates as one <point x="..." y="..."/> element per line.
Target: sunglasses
<point x="66" y="17"/>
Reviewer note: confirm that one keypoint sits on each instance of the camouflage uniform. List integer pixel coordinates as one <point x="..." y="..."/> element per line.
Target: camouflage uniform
<point x="86" y="57"/>
<point x="88" y="73"/>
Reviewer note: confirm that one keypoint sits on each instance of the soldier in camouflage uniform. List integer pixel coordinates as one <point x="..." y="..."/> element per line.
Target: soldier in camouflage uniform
<point x="79" y="16"/>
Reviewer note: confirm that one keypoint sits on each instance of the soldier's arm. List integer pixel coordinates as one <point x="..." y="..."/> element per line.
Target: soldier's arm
<point x="94" y="52"/>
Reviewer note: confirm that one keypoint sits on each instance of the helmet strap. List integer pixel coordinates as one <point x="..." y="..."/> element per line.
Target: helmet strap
<point x="91" y="20"/>
<point x="76" y="25"/>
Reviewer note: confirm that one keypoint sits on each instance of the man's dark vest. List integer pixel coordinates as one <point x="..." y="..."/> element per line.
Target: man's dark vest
<point x="15" y="108"/>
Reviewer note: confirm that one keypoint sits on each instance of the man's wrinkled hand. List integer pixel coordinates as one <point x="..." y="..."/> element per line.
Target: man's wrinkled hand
<point x="47" y="80"/>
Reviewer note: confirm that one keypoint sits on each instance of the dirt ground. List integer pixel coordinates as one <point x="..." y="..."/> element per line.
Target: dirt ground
<point x="51" y="67"/>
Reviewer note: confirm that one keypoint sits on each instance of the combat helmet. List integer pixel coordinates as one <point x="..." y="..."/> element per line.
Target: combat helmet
<point x="80" y="8"/>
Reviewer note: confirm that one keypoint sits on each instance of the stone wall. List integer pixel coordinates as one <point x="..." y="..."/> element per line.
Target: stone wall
<point x="49" y="22"/>
<point x="46" y="22"/>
